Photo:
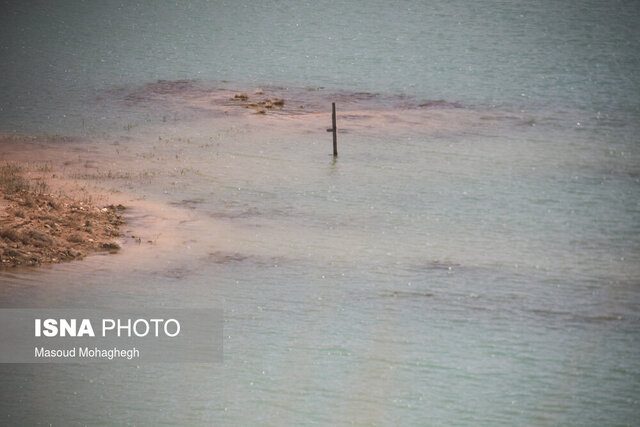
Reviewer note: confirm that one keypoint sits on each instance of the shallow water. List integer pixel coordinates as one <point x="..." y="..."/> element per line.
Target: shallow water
<point x="468" y="262"/>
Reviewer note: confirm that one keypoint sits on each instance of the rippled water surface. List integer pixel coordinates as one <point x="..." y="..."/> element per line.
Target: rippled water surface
<point x="471" y="257"/>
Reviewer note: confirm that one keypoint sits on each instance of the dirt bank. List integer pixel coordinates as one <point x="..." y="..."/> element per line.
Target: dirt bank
<point x="37" y="227"/>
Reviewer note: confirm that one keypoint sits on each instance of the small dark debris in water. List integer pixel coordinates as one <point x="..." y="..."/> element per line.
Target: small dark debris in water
<point x="249" y="213"/>
<point x="225" y="257"/>
<point x="354" y="116"/>
<point x="221" y="257"/>
<point x="353" y="96"/>
<point x="439" y="104"/>
<point x="187" y="203"/>
<point x="241" y="97"/>
<point x="364" y="95"/>
<point x="407" y="294"/>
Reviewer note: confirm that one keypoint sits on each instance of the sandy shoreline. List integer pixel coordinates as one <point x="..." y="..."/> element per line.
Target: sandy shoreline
<point x="108" y="171"/>
<point x="49" y="214"/>
<point x="43" y="222"/>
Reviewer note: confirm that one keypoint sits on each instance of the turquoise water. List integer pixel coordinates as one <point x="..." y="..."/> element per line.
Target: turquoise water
<point x="557" y="56"/>
<point x="470" y="264"/>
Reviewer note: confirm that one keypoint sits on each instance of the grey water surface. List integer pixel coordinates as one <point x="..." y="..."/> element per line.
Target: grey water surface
<point x="487" y="273"/>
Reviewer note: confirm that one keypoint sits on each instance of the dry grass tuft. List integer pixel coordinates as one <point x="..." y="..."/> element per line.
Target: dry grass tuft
<point x="11" y="179"/>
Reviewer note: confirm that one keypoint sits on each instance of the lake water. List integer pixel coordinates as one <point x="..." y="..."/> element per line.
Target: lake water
<point x="468" y="262"/>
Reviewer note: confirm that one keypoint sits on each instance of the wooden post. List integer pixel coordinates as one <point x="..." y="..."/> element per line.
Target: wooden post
<point x="335" y="130"/>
